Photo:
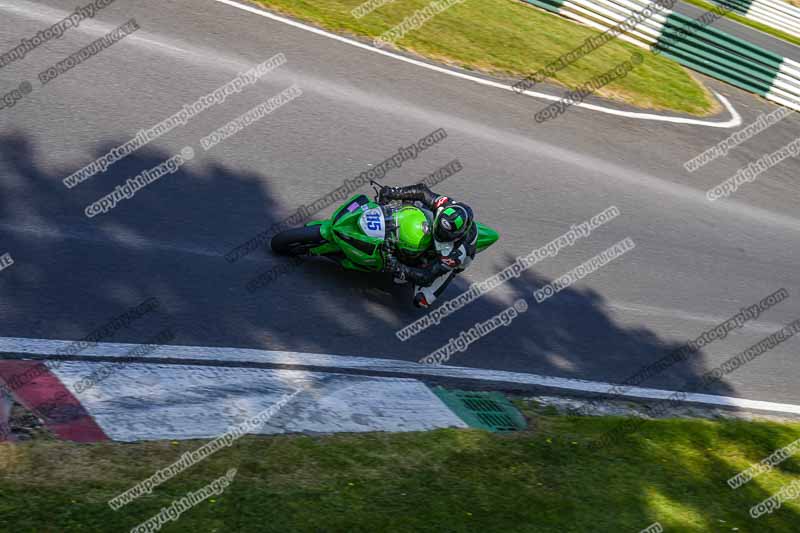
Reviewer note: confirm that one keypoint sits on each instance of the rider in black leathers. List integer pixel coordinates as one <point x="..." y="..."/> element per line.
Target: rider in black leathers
<point x="454" y="234"/>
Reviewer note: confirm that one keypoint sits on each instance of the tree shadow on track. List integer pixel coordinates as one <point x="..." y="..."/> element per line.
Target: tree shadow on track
<point x="72" y="274"/>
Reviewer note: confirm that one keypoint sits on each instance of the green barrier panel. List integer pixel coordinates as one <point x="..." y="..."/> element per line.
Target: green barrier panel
<point x="737" y="6"/>
<point x="549" y="6"/>
<point x="765" y="74"/>
<point x="711" y="33"/>
<point x="711" y="51"/>
<point x="735" y="46"/>
<point x="714" y="73"/>
<point x="717" y="71"/>
<point x="676" y="38"/>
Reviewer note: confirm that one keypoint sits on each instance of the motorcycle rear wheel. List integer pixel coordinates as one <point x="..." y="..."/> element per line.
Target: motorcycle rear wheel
<point x="297" y="241"/>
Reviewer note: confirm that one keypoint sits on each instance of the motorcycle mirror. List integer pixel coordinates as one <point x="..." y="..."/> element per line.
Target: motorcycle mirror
<point x="376" y="187"/>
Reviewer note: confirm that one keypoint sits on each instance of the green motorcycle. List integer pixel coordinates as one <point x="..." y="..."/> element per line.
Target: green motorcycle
<point x="361" y="231"/>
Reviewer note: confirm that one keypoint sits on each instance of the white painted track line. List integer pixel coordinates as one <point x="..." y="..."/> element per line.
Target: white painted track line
<point x="734" y="121"/>
<point x="22" y="346"/>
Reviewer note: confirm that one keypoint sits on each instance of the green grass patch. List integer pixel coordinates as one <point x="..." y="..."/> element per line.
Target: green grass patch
<point x="708" y="6"/>
<point x="541" y="480"/>
<point x="511" y="40"/>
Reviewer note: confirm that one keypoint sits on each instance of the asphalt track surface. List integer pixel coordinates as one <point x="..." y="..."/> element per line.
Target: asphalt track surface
<point x="695" y="264"/>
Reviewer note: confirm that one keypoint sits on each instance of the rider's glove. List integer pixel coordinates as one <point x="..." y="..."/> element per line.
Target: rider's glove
<point x="450" y="262"/>
<point x="386" y="194"/>
<point x="393" y="266"/>
<point x="390" y="263"/>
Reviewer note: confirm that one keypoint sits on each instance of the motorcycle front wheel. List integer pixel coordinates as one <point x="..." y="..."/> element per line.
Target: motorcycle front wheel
<point x="297" y="241"/>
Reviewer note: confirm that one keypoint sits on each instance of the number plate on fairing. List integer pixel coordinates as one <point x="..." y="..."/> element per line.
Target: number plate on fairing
<point x="372" y="223"/>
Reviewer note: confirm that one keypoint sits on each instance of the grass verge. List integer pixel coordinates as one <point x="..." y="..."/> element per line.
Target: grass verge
<point x="511" y="39"/>
<point x="541" y="480"/>
<point x="708" y="6"/>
